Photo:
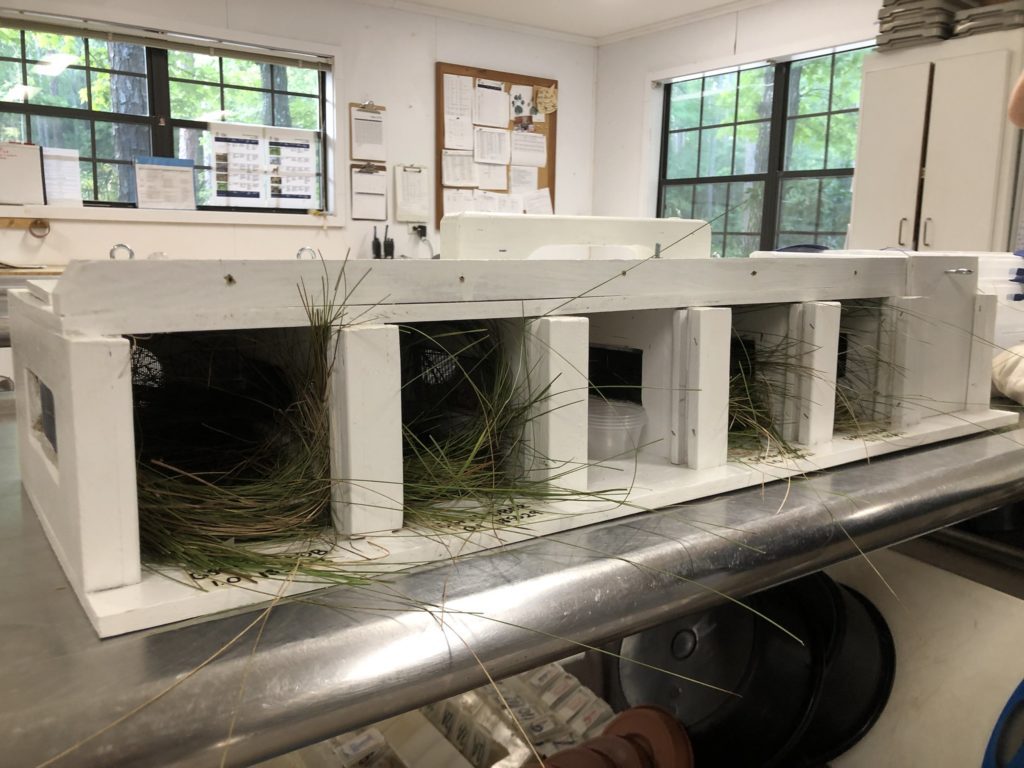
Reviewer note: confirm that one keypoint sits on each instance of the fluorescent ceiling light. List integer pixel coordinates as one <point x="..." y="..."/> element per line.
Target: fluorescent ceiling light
<point x="54" y="63"/>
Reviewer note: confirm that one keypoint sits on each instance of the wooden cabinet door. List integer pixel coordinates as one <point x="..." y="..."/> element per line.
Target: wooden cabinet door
<point x="965" y="159"/>
<point x="894" y="103"/>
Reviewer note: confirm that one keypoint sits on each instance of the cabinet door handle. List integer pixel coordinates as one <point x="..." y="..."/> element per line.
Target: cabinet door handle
<point x="925" y="234"/>
<point x="899" y="233"/>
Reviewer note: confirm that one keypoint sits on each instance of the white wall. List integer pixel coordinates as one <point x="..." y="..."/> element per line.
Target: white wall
<point x="628" y="119"/>
<point x="386" y="55"/>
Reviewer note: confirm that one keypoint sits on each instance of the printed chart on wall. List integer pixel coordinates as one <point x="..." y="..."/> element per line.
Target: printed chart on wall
<point x="264" y="167"/>
<point x="495" y="141"/>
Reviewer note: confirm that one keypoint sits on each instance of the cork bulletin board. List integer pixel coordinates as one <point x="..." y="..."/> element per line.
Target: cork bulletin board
<point x="469" y="129"/>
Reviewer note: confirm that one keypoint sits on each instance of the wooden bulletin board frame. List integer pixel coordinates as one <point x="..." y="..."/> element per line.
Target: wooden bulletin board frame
<point x="545" y="176"/>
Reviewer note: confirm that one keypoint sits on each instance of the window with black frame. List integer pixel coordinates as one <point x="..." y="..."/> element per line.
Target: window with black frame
<point x="767" y="172"/>
<point x="115" y="100"/>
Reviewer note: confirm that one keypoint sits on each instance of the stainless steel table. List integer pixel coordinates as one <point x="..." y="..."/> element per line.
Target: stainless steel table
<point x="346" y="657"/>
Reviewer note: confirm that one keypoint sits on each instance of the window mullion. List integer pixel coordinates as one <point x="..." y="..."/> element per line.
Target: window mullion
<point x="776" y="159"/>
<point x="160" y="102"/>
<point x="663" y="163"/>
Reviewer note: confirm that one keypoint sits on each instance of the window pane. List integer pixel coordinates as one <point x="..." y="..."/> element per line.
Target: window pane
<point x="63" y="89"/>
<point x="809" y="82"/>
<point x="678" y="202"/>
<point x="835" y="242"/>
<point x="12" y="127"/>
<point x="297" y="112"/>
<point x="195" y="102"/>
<point x="193" y="66"/>
<point x="682" y="155"/>
<point x="124" y="94"/>
<point x="85" y="173"/>
<point x="39" y="45"/>
<point x="805" y="144"/>
<point x="799" y="209"/>
<point x="717" y="246"/>
<point x="10" y="42"/>
<point x="716" y="151"/>
<point x="204" y="187"/>
<point x="784" y="240"/>
<point x="63" y="132"/>
<point x="719" y="99"/>
<point x="846" y="80"/>
<point x="709" y="202"/>
<point x="751" y="148"/>
<point x="246" y="106"/>
<point x="192" y="144"/>
<point x="836" y="195"/>
<point x="684" y="104"/>
<point x="248" y="73"/>
<point x="302" y="80"/>
<point x="115" y="182"/>
<point x="10" y="79"/>
<point x="755" y="96"/>
<point x="122" y="141"/>
<point x="741" y="246"/>
<point x="842" y="140"/>
<point x="746" y="203"/>
<point x="124" y="57"/>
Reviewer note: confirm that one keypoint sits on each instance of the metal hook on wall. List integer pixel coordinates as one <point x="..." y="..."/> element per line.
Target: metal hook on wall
<point x="121" y="247"/>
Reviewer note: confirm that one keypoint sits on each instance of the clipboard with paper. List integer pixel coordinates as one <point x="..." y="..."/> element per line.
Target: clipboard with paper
<point x="412" y="194"/>
<point x="369" y="192"/>
<point x="366" y="132"/>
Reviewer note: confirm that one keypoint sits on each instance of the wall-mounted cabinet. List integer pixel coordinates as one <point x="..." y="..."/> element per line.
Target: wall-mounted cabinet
<point x="936" y="156"/>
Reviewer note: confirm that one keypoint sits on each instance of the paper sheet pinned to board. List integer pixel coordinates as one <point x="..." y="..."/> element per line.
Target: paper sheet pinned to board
<point x="458" y="112"/>
<point x="538" y="202"/>
<point x="522" y="179"/>
<point x="490" y="103"/>
<point x="494" y="177"/>
<point x="458" y="132"/>
<point x="491" y="145"/>
<point x="529" y="148"/>
<point x="508" y="203"/>
<point x="458" y="168"/>
<point x="457" y="201"/>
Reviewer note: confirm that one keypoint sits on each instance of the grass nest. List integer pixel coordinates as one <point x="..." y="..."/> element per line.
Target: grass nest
<point x="233" y="458"/>
<point x="467" y="404"/>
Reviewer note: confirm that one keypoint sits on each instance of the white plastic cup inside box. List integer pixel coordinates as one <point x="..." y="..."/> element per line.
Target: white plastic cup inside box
<point x="614" y="428"/>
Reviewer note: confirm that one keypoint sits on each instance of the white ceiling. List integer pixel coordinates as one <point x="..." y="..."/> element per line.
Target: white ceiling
<point x="597" y="19"/>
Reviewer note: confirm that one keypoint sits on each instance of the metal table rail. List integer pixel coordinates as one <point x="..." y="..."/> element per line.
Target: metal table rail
<point x="346" y="657"/>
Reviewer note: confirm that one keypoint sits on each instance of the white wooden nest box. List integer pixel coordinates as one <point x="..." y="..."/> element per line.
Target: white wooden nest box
<point x="670" y="322"/>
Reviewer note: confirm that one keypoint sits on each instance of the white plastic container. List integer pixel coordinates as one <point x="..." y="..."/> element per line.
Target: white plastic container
<point x="614" y="428"/>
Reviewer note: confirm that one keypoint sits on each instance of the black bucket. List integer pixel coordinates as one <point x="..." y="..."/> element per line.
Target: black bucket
<point x="858" y="680"/>
<point x="796" y="704"/>
<point x="772" y="680"/>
